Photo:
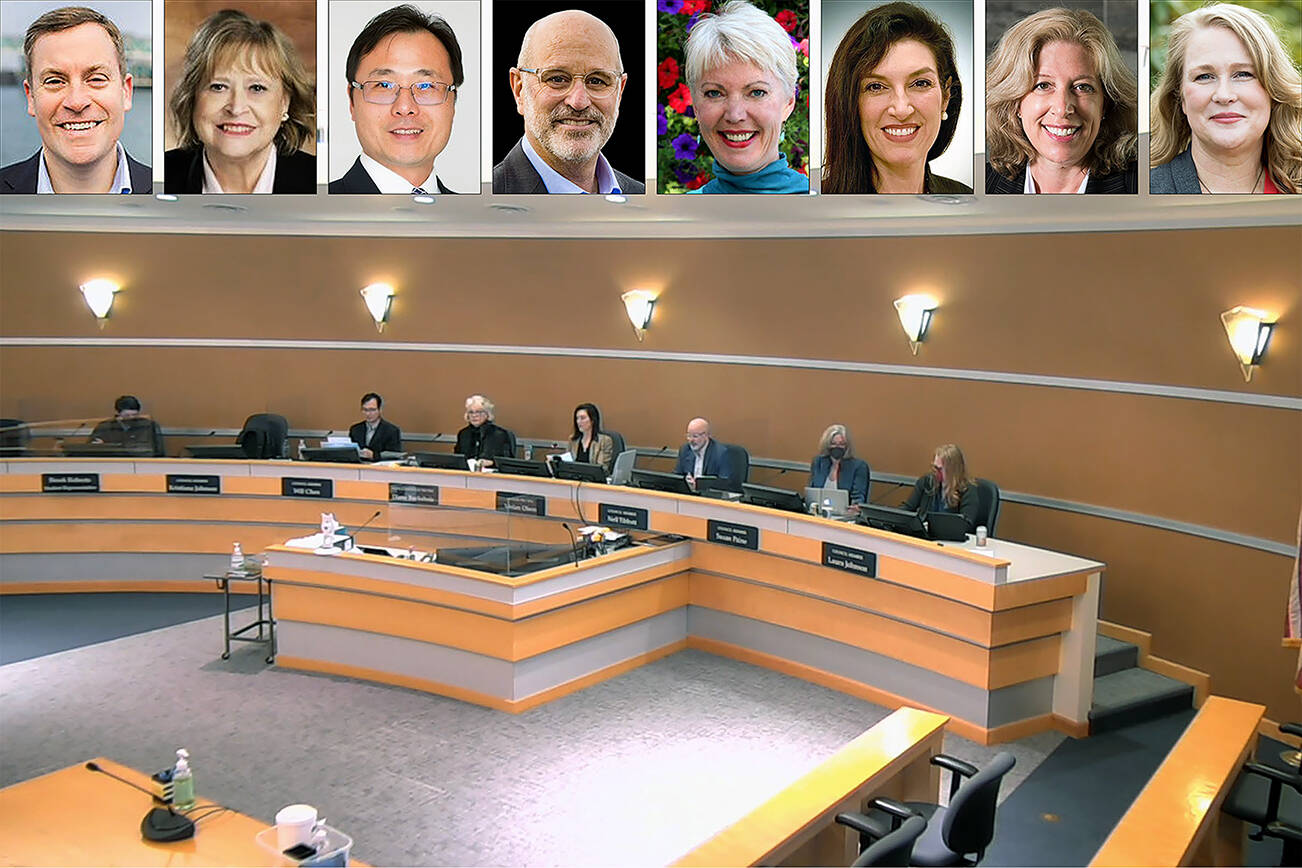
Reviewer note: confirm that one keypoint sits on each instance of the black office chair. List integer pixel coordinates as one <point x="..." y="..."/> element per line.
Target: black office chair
<point x="739" y="460"/>
<point x="510" y="441"/>
<point x="1260" y="797"/>
<point x="988" y="500"/>
<point x="14" y="437"/>
<point x="882" y="845"/>
<point x="265" y="435"/>
<point x="868" y="490"/>
<point x="617" y="437"/>
<point x="959" y="833"/>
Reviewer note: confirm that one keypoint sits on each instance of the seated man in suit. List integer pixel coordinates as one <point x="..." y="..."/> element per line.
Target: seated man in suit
<point x="403" y="71"/>
<point x="79" y="91"/>
<point x="374" y="435"/>
<point x="568" y="82"/>
<point x="702" y="455"/>
<point x="129" y="429"/>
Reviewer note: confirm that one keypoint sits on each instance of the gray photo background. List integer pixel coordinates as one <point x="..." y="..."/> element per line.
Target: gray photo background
<point x="1121" y="17"/>
<point x="957" y="15"/>
<point x="19" y="138"/>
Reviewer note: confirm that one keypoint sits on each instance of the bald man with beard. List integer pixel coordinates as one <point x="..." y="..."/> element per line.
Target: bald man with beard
<point x="567" y="83"/>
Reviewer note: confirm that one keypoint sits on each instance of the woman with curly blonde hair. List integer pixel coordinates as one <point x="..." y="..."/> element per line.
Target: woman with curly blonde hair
<point x="1061" y="109"/>
<point x="1227" y="112"/>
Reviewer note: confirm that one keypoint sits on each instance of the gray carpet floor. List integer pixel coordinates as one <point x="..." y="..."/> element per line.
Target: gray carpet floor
<point x="633" y="771"/>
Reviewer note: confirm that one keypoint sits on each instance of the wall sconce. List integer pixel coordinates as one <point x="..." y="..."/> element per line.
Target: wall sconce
<point x="639" y="303"/>
<point x="99" y="297"/>
<point x="1249" y="332"/>
<point x="379" y="299"/>
<point x="915" y="316"/>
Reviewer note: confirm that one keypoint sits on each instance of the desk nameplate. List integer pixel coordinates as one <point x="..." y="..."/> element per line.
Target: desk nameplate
<point x="631" y="517"/>
<point x="418" y="495"/>
<point x="744" y="536"/>
<point x="521" y="504"/>
<point x="857" y="561"/>
<point x="300" y="486"/>
<point x="63" y="483"/>
<point x="189" y="483"/>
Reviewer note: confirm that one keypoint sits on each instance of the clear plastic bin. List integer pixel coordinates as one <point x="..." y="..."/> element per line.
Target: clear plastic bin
<point x="334" y="853"/>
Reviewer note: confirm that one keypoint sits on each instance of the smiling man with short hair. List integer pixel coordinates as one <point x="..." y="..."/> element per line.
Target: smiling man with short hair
<point x="403" y="72"/>
<point x="79" y="91"/>
<point x="568" y="83"/>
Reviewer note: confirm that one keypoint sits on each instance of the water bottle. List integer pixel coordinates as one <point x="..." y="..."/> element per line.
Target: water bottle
<point x="182" y="782"/>
<point x="302" y="445"/>
<point x="237" y="559"/>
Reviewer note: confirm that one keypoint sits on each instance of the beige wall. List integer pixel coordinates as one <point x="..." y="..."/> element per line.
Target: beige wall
<point x="1135" y="307"/>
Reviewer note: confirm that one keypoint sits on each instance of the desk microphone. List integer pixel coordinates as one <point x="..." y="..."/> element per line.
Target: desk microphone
<point x="160" y="824"/>
<point x="875" y="502"/>
<point x="353" y="536"/>
<point x="574" y="543"/>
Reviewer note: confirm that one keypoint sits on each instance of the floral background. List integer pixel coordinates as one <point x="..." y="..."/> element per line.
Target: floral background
<point x="682" y="162"/>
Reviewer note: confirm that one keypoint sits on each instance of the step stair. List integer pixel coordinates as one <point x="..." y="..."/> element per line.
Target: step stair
<point x="1125" y="694"/>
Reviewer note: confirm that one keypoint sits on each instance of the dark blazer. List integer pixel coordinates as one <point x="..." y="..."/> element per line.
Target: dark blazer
<point x="716" y="461"/>
<point x="139" y="433"/>
<point x="932" y="184"/>
<point x="852" y="478"/>
<point x="1178" y="176"/>
<point x="515" y="174"/>
<point x="924" y="494"/>
<point x="388" y="438"/>
<point x="358" y="180"/>
<point x="1125" y="181"/>
<point x="21" y="177"/>
<point x="486" y="441"/>
<point x="183" y="172"/>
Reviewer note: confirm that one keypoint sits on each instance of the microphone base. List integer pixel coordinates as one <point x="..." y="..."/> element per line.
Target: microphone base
<point x="160" y="824"/>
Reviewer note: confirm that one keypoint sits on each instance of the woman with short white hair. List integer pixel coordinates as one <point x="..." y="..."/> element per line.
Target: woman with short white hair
<point x="741" y="69"/>
<point x="482" y="438"/>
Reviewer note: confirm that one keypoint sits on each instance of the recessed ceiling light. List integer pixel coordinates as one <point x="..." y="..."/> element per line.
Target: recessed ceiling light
<point x="224" y="206"/>
<point x="945" y="200"/>
<point x="509" y="209"/>
<point x="616" y="198"/>
<point x="423" y="200"/>
<point x="166" y="197"/>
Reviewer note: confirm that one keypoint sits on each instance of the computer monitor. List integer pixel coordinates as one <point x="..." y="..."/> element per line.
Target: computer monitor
<point x="580" y="470"/>
<point x="622" y="472"/>
<point x="520" y="467"/>
<point x="773" y="498"/>
<point x="950" y="526"/>
<point x="658" y="481"/>
<point x="441" y="460"/>
<point x="338" y="454"/>
<point x="889" y="518"/>
<point x="231" y="452"/>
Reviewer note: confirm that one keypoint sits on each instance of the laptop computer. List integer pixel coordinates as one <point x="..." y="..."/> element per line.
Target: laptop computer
<point x="622" y="472"/>
<point x="836" y="499"/>
<point x="948" y="526"/>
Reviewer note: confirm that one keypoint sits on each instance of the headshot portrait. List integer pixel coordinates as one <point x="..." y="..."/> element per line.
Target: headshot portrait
<point x="1226" y="110"/>
<point x="897" y="110"/>
<point x="241" y="96"/>
<point x="1062" y="99"/>
<point x="66" y="97"/>
<point x="732" y="80"/>
<point x="404" y="96"/>
<point x="567" y="107"/>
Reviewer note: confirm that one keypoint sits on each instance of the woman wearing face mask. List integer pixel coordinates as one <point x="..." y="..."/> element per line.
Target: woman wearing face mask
<point x="741" y="68"/>
<point x="836" y="466"/>
<point x="242" y="111"/>
<point x="947" y="488"/>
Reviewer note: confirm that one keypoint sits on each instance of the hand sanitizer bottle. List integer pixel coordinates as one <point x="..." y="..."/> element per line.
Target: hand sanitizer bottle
<point x="237" y="559"/>
<point x="182" y="782"/>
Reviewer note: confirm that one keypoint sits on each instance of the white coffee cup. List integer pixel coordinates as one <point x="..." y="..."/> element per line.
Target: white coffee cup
<point x="294" y="824"/>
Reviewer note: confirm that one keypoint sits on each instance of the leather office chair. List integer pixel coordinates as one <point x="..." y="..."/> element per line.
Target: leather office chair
<point x="14" y="437"/>
<point x="882" y="845"/>
<point x="510" y="439"/>
<point x="957" y="834"/>
<point x="739" y="461"/>
<point x="617" y="437"/>
<point x="265" y="435"/>
<point x="988" y="500"/>
<point x="1271" y="799"/>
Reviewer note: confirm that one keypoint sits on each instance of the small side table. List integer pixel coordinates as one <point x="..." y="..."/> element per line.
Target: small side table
<point x="265" y="625"/>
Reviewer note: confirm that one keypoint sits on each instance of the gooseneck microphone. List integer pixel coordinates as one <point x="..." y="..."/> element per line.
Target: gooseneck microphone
<point x="353" y="536"/>
<point x="160" y="824"/>
<point x="574" y="543"/>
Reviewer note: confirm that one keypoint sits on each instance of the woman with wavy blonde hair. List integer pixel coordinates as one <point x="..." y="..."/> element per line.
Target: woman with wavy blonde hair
<point x="1227" y="112"/>
<point x="947" y="488"/>
<point x="1061" y="109"/>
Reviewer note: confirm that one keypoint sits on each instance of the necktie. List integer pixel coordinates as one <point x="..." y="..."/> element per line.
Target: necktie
<point x="418" y="191"/>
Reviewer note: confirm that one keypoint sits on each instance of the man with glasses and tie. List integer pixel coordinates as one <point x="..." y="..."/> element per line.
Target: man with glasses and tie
<point x="567" y="83"/>
<point x="403" y="72"/>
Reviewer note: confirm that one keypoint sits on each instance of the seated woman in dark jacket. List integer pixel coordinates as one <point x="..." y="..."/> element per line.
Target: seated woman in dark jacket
<point x="481" y="438"/>
<point x="947" y="488"/>
<point x="836" y="467"/>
